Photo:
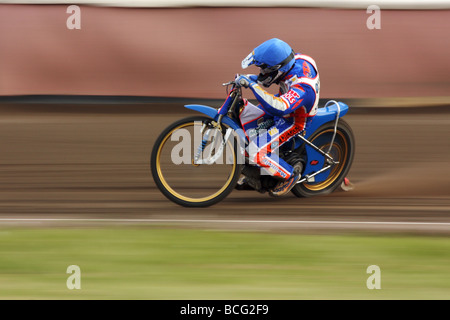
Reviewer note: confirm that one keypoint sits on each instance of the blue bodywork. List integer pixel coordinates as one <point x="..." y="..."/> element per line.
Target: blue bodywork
<point x="315" y="160"/>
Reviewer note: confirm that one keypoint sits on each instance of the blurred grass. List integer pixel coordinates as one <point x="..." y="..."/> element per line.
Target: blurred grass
<point x="158" y="263"/>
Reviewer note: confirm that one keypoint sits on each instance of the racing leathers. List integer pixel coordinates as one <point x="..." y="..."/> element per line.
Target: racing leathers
<point x="285" y="114"/>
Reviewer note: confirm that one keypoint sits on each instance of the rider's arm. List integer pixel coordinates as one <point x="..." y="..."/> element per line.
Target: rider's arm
<point x="279" y="105"/>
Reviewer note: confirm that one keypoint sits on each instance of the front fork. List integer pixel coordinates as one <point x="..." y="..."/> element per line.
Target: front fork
<point x="207" y="129"/>
<point x="202" y="145"/>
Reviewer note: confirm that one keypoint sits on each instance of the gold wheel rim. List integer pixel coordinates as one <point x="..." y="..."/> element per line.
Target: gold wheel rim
<point x="170" y="189"/>
<point x="335" y="170"/>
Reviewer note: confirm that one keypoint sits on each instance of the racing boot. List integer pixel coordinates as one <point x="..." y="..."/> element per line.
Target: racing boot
<point x="284" y="187"/>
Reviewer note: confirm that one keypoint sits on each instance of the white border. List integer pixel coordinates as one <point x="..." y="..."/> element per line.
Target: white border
<point x="344" y="4"/>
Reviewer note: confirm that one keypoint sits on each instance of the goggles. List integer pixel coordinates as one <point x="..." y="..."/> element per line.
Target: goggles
<point x="265" y="69"/>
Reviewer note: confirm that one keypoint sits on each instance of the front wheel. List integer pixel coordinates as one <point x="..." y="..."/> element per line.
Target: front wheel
<point x="190" y="177"/>
<point x="342" y="151"/>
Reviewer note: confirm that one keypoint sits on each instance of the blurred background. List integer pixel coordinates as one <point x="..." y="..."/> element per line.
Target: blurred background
<point x="81" y="108"/>
<point x="177" y="49"/>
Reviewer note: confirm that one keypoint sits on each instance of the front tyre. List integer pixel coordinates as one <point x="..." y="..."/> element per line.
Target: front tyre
<point x="342" y="151"/>
<point x="186" y="181"/>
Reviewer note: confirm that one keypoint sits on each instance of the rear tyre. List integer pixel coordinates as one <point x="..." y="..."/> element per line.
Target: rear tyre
<point x="342" y="151"/>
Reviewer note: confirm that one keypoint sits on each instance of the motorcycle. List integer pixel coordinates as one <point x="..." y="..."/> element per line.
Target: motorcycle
<point x="197" y="161"/>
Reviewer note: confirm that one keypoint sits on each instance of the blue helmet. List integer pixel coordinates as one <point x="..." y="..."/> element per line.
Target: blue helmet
<point x="274" y="57"/>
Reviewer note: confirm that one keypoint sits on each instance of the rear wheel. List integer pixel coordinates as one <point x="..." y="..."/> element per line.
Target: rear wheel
<point x="342" y="151"/>
<point x="185" y="180"/>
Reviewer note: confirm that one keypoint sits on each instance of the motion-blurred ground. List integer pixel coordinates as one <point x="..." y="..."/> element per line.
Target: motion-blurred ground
<point x="93" y="162"/>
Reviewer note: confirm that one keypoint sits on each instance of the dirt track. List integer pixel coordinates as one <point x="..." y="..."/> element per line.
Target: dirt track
<point x="87" y="162"/>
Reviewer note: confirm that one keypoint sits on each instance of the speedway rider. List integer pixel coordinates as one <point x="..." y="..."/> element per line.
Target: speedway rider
<point x="290" y="110"/>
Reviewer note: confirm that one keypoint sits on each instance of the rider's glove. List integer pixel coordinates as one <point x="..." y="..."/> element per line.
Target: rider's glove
<point x="245" y="80"/>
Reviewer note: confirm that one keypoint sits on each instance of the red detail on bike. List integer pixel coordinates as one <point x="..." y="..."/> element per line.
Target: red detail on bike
<point x="314" y="162"/>
<point x="346" y="185"/>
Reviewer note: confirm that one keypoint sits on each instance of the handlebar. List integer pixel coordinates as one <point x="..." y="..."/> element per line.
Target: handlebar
<point x="228" y="83"/>
<point x="233" y="82"/>
<point x="233" y="99"/>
